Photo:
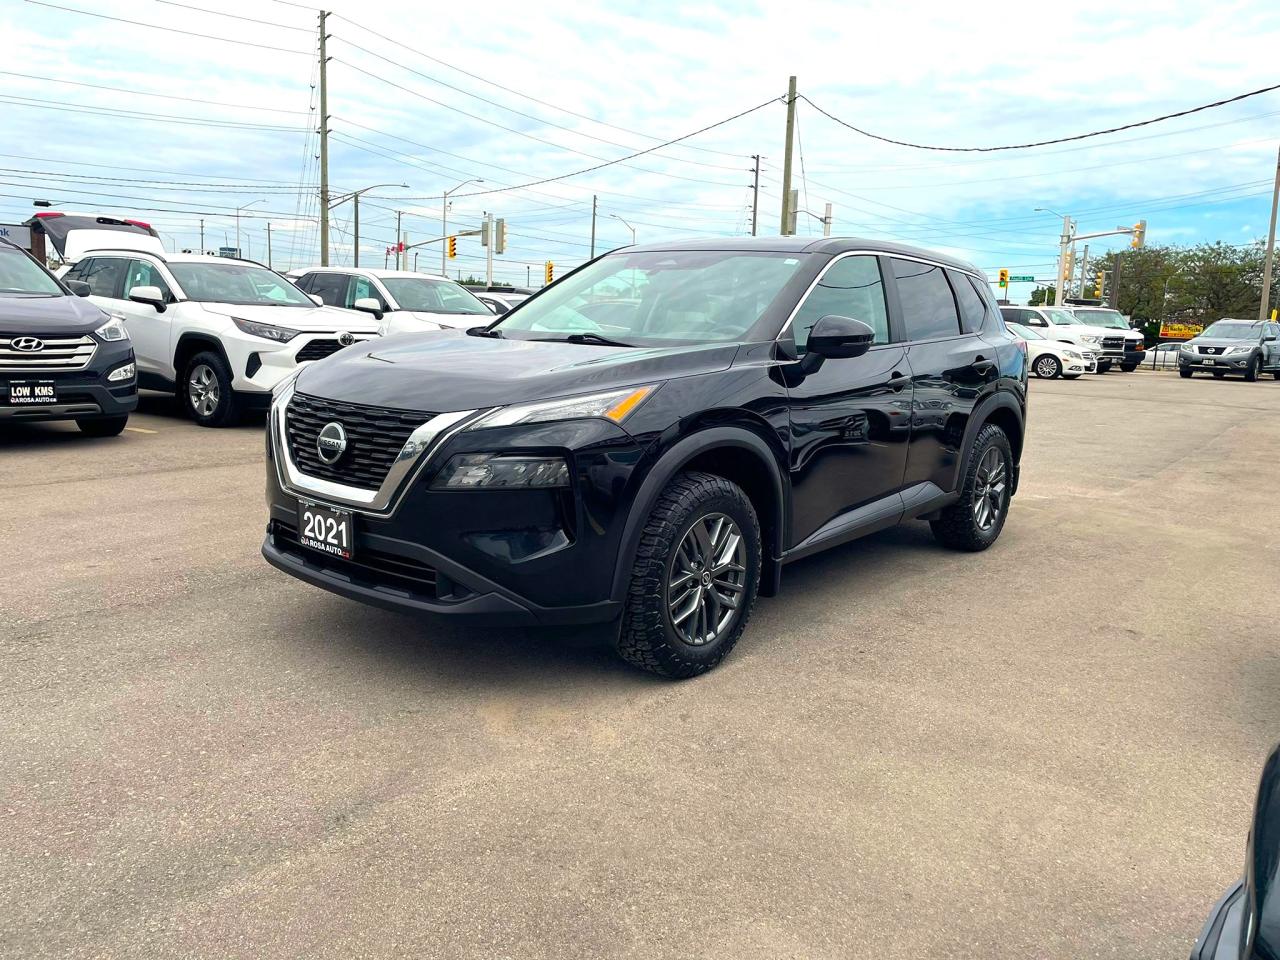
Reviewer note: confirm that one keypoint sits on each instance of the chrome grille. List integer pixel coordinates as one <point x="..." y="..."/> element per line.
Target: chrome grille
<point x="58" y="353"/>
<point x="375" y="437"/>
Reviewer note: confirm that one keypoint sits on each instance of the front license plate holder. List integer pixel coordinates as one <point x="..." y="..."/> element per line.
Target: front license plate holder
<point x="326" y="530"/>
<point x="32" y="393"/>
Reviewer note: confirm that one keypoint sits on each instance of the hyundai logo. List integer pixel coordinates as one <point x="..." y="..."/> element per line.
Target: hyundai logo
<point x="331" y="444"/>
<point x="346" y="339"/>
<point x="28" y="344"/>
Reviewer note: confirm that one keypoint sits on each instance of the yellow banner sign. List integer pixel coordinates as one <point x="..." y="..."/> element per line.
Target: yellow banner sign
<point x="1180" y="331"/>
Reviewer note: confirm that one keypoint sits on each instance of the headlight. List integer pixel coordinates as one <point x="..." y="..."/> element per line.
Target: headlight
<point x="1187" y="348"/>
<point x="1091" y="339"/>
<point x="268" y="331"/>
<point x="471" y="471"/>
<point x="122" y="373"/>
<point x="113" y="330"/>
<point x="1072" y="355"/>
<point x="1247" y="348"/>
<point x="616" y="405"/>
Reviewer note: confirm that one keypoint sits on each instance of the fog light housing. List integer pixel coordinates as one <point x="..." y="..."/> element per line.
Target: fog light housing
<point x="496" y="471"/>
<point x="120" y="374"/>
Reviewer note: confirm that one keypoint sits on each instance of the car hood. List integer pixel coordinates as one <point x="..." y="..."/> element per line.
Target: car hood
<point x="307" y="319"/>
<point x="447" y="370"/>
<point x="49" y="316"/>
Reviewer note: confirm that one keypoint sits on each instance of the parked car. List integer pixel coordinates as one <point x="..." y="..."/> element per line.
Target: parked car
<point x="501" y="303"/>
<point x="1245" y="923"/>
<point x="765" y="399"/>
<point x="401" y="301"/>
<point x="61" y="357"/>
<point x="71" y="234"/>
<point x="1165" y="354"/>
<point x="1121" y="343"/>
<point x="1053" y="358"/>
<point x="1061" y="325"/>
<point x="1249" y="347"/>
<point x="220" y="333"/>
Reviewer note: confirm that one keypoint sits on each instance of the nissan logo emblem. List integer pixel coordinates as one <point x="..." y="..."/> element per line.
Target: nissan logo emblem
<point x="331" y="444"/>
<point x="28" y="344"/>
<point x="346" y="339"/>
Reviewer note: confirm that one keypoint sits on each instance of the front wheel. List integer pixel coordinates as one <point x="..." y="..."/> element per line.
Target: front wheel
<point x="102" y="426"/>
<point x="1128" y="367"/>
<point x="1104" y="366"/>
<point x="975" y="520"/>
<point x="205" y="391"/>
<point x="1185" y="373"/>
<point x="694" y="580"/>
<point x="1255" y="370"/>
<point x="1048" y="366"/>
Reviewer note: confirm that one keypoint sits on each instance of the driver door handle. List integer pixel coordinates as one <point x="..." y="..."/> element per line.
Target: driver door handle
<point x="983" y="367"/>
<point x="897" y="380"/>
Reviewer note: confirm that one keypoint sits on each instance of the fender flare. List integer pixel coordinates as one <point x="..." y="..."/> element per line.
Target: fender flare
<point x="205" y="341"/>
<point x="1000" y="400"/>
<point x="670" y="463"/>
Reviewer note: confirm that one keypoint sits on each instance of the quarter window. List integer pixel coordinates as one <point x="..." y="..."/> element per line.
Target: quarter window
<point x="928" y="306"/>
<point x="851" y="287"/>
<point x="973" y="311"/>
<point x="105" y="276"/>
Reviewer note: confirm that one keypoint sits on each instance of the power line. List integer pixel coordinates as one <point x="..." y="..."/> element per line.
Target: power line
<point x="1044" y="143"/>
<point x="157" y="26"/>
<point x="34" y="103"/>
<point x="145" y="93"/>
<point x="112" y="166"/>
<point x="235" y="16"/>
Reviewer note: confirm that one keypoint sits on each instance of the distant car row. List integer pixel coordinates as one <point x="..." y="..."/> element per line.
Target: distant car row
<point x="1071" y="341"/>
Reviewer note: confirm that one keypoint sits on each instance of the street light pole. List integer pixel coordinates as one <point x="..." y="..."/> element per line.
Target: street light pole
<point x="1068" y="231"/>
<point x="444" y="222"/>
<point x="627" y="225"/>
<point x="354" y="197"/>
<point x="238" y="209"/>
<point x="1269" y="263"/>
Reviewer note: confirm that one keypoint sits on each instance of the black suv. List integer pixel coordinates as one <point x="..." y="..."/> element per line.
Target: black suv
<point x="758" y="401"/>
<point x="61" y="357"/>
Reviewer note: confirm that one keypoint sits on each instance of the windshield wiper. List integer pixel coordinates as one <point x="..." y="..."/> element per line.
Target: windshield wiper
<point x="494" y="332"/>
<point x="592" y="338"/>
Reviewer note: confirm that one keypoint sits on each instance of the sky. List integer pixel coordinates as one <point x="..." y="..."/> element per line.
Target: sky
<point x="166" y="120"/>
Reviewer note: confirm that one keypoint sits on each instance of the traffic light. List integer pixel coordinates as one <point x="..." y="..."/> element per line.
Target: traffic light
<point x="548" y="273"/>
<point x="453" y="247"/>
<point x="500" y="241"/>
<point x="1102" y="279"/>
<point x="1139" y="235"/>
<point x="1069" y="261"/>
<point x="1004" y="277"/>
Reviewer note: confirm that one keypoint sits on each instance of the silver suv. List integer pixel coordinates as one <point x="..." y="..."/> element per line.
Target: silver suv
<point x="1233" y="346"/>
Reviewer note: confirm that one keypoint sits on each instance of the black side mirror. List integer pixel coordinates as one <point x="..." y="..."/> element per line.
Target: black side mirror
<point x="78" y="287"/>
<point x="1269" y="336"/>
<point x="836" y="338"/>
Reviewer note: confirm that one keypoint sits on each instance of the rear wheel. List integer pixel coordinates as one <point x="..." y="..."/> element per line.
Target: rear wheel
<point x="695" y="578"/>
<point x="205" y="391"/>
<point x="102" y="426"/>
<point x="1048" y="366"/>
<point x="1254" y="371"/>
<point x="976" y="519"/>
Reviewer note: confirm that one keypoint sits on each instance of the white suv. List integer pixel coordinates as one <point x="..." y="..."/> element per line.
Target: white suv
<point x="220" y="333"/>
<point x="1054" y="323"/>
<point x="401" y="301"/>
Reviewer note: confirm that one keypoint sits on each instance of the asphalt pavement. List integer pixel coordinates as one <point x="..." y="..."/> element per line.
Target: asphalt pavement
<point x="1046" y="750"/>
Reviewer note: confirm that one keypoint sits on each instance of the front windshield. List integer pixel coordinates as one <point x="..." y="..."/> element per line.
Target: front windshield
<point x="1061" y="318"/>
<point x="1112" y="319"/>
<point x="433" y="296"/>
<point x="1026" y="333"/>
<point x="658" y="297"/>
<point x="20" y="277"/>
<point x="240" y="283"/>
<point x="1233" y="330"/>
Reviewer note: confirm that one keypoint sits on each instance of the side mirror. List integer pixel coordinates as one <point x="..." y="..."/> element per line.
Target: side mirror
<point x="151" y="295"/>
<point x="1269" y="336"/>
<point x="368" y="305"/>
<point x="316" y="299"/>
<point x="78" y="287"/>
<point x="836" y="338"/>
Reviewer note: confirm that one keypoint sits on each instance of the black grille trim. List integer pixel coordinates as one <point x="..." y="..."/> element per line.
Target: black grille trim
<point x="375" y="436"/>
<point x="318" y="349"/>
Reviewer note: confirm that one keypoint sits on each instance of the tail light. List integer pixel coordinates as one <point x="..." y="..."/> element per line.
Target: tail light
<point x="139" y="223"/>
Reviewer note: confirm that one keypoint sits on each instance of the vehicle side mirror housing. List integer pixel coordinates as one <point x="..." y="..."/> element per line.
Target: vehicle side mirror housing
<point x="836" y="338"/>
<point x="368" y="305"/>
<point x="78" y="287"/>
<point x="1269" y="336"/>
<point x="316" y="299"/>
<point x="151" y="295"/>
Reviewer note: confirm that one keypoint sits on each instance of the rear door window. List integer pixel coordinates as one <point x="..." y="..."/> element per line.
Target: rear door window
<point x="330" y="287"/>
<point x="928" y="305"/>
<point x="105" y="276"/>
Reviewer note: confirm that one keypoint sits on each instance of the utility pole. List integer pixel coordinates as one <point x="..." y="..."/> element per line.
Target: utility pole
<point x="526" y="275"/>
<point x="786" y="161"/>
<point x="1084" y="259"/>
<point x="826" y="221"/>
<point x="488" y="250"/>
<point x="355" y="228"/>
<point x="1115" y="281"/>
<point x="397" y="239"/>
<point x="202" y="235"/>
<point x="755" y="194"/>
<point x="269" y="267"/>
<point x="593" y="228"/>
<point x="1068" y="229"/>
<point x="1269" y="263"/>
<point x="324" y="141"/>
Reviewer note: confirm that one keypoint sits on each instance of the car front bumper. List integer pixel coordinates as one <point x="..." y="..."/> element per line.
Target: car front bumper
<point x="1235" y="363"/>
<point x="1220" y="937"/>
<point x="82" y="394"/>
<point x="258" y="365"/>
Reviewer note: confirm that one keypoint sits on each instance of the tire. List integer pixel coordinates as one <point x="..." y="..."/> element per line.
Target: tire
<point x="102" y="426"/>
<point x="1128" y="367"/>
<point x="1104" y="366"/>
<point x="1255" y="370"/>
<point x="205" y="391"/>
<point x="1276" y="374"/>
<point x="1185" y="374"/>
<point x="1071" y="376"/>
<point x="655" y="637"/>
<point x="1048" y="367"/>
<point x="963" y="525"/>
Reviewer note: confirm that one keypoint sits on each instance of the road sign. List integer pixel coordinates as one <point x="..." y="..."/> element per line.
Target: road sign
<point x="16" y="233"/>
<point x="1021" y="278"/>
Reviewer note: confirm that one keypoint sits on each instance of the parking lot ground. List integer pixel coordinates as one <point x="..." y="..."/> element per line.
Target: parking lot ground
<point x="1046" y="750"/>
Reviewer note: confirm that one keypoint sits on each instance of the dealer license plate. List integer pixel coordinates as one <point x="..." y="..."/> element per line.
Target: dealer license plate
<point x="328" y="531"/>
<point x="30" y="393"/>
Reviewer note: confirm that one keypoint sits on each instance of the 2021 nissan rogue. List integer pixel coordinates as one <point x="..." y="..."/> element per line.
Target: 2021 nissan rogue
<point x="649" y="440"/>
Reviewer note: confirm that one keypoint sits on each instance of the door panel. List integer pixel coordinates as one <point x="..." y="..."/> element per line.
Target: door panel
<point x="150" y="330"/>
<point x="850" y="418"/>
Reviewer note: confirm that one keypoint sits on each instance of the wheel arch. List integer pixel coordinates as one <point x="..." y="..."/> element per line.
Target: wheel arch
<point x="189" y="344"/>
<point x="1003" y="410"/>
<point x="736" y="453"/>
